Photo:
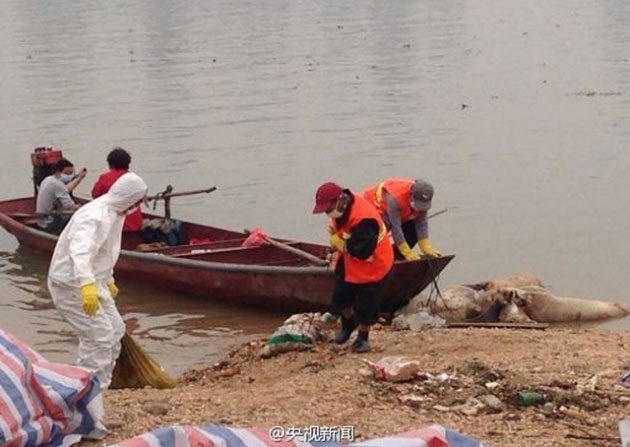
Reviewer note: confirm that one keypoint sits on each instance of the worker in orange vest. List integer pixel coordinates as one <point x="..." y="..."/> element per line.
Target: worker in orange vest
<point x="364" y="259"/>
<point x="403" y="205"/>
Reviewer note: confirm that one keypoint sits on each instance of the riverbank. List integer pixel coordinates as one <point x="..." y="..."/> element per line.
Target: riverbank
<point x="577" y="369"/>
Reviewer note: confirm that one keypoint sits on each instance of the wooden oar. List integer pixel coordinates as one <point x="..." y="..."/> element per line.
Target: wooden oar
<point x="168" y="195"/>
<point x="296" y="251"/>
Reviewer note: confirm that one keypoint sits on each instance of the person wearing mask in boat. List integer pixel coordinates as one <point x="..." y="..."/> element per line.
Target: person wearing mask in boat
<point x="118" y="160"/>
<point x="54" y="200"/>
<point x="80" y="277"/>
<point x="403" y="205"/>
<point x="364" y="258"/>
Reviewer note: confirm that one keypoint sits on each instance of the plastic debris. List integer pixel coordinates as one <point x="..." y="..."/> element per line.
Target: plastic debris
<point x="412" y="400"/>
<point x="298" y="333"/>
<point x="396" y="368"/>
<point x="418" y="321"/>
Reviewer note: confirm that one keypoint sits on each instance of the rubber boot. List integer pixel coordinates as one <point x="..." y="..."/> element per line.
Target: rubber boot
<point x="361" y="343"/>
<point x="347" y="326"/>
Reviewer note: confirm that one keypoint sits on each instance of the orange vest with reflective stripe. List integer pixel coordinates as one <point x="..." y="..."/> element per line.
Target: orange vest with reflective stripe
<point x="377" y="266"/>
<point x="400" y="190"/>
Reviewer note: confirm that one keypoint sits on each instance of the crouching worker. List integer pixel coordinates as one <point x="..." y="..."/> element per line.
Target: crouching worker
<point x="80" y="278"/>
<point x="364" y="260"/>
<point x="403" y="205"/>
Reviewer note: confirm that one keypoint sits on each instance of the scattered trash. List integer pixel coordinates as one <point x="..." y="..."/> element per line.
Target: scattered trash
<point x="443" y="377"/>
<point x="492" y="402"/>
<point x="548" y="408"/>
<point x="530" y="398"/>
<point x="395" y="368"/>
<point x="472" y="407"/>
<point x="298" y="333"/>
<point x="417" y="322"/>
<point x="412" y="400"/>
<point x="576" y="414"/>
<point x="625" y="380"/>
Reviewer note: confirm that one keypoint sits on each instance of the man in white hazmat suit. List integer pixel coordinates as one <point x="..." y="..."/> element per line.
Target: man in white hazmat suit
<point x="81" y="280"/>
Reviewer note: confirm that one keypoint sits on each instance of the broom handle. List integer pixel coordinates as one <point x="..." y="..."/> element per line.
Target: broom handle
<point x="297" y="251"/>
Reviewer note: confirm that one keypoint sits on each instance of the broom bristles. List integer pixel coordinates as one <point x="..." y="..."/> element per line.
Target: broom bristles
<point x="136" y="369"/>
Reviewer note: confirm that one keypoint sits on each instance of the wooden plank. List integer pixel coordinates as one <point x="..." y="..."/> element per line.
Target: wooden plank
<point x="185" y="249"/>
<point x="195" y="250"/>
<point x="497" y="324"/>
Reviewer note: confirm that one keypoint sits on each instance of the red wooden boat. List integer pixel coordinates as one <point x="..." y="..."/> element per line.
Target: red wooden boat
<point x="223" y="270"/>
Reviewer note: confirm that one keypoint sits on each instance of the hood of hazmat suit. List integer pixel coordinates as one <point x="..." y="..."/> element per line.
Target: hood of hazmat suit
<point x="89" y="246"/>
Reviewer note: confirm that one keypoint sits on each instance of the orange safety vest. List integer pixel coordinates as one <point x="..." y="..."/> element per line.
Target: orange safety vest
<point x="377" y="266"/>
<point x="398" y="188"/>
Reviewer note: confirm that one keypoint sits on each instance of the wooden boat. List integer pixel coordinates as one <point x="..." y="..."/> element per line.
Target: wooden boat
<point x="223" y="270"/>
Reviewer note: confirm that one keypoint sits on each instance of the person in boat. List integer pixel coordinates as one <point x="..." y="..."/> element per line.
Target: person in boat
<point x="80" y="277"/>
<point x="403" y="205"/>
<point x="118" y="160"/>
<point x="54" y="200"/>
<point x="364" y="258"/>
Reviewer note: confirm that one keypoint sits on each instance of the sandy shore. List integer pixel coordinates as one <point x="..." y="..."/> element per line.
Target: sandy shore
<point x="578" y="370"/>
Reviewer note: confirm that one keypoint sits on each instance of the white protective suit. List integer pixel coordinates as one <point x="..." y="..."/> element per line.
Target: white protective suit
<point x="86" y="253"/>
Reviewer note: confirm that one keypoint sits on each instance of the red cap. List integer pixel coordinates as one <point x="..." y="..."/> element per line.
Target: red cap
<point x="325" y="196"/>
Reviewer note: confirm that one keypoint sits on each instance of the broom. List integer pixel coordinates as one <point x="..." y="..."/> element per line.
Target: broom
<point x="136" y="369"/>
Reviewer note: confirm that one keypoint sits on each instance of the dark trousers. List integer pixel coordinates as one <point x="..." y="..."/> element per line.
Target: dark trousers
<point x="58" y="224"/>
<point x="364" y="298"/>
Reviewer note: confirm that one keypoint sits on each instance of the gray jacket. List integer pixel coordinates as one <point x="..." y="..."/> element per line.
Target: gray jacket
<point x="394" y="223"/>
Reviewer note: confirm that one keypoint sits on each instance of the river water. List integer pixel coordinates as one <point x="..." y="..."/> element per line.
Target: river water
<point x="518" y="113"/>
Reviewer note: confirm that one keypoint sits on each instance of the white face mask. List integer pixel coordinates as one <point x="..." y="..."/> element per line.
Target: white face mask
<point x="66" y="178"/>
<point x="335" y="214"/>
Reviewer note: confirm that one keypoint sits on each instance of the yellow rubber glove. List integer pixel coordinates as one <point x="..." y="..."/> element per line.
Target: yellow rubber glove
<point x="425" y="247"/>
<point x="90" y="299"/>
<point x="337" y="242"/>
<point x="407" y="252"/>
<point x="113" y="290"/>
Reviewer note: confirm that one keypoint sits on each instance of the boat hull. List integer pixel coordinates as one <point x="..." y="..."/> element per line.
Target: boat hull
<point x="286" y="288"/>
